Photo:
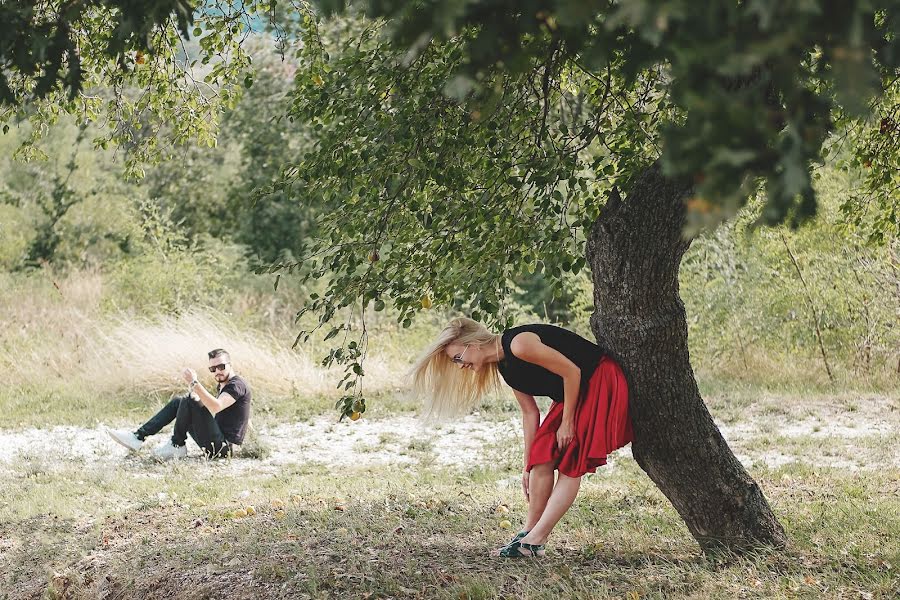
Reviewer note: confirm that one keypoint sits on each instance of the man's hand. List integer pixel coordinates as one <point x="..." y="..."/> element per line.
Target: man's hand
<point x="526" y="480"/>
<point x="565" y="434"/>
<point x="189" y="375"/>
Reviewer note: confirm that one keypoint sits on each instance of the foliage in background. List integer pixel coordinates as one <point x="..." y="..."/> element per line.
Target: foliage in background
<point x="70" y="208"/>
<point x="74" y="206"/>
<point x="168" y="66"/>
<point x="168" y="272"/>
<point x="756" y="315"/>
<point x="872" y="147"/>
<point x="271" y="223"/>
<point x="751" y="319"/>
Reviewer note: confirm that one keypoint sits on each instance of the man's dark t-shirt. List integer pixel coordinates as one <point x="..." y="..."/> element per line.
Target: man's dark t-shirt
<point x="233" y="420"/>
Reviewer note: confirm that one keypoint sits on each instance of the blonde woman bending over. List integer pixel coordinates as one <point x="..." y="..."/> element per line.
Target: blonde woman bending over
<point x="588" y="418"/>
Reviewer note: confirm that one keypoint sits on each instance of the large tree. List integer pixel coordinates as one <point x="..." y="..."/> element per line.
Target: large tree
<point x="487" y="138"/>
<point x="461" y="143"/>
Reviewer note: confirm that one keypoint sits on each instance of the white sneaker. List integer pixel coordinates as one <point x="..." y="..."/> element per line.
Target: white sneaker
<point x="126" y="438"/>
<point x="169" y="450"/>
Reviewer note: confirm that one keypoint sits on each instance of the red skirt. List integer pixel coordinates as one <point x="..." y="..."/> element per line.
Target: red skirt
<point x="602" y="425"/>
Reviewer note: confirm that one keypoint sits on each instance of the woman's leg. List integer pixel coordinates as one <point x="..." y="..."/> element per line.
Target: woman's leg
<point x="562" y="497"/>
<point x="540" y="486"/>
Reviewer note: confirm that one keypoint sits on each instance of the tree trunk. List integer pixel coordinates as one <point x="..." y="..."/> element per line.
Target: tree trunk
<point x="635" y="250"/>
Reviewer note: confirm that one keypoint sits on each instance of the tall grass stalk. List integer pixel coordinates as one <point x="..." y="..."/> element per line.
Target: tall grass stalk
<point x="60" y="349"/>
<point x="150" y="353"/>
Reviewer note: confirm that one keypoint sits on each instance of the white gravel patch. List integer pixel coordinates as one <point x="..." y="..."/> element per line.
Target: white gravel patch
<point x="403" y="441"/>
<point x="817" y="428"/>
<point x="397" y="440"/>
<point x="811" y="426"/>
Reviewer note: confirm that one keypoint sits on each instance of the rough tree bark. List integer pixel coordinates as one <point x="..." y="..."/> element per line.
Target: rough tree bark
<point x="635" y="250"/>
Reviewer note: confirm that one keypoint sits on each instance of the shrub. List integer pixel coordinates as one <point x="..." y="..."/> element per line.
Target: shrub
<point x="167" y="272"/>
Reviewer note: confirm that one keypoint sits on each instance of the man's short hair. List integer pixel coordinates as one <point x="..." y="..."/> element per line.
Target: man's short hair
<point x="217" y="353"/>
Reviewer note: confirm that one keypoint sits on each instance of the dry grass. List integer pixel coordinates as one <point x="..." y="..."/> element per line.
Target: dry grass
<point x="47" y="324"/>
<point x="762" y="368"/>
<point x="66" y="361"/>
<point x="146" y="352"/>
<point x="394" y="534"/>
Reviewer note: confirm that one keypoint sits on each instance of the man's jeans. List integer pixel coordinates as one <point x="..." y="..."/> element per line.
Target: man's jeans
<point x="191" y="418"/>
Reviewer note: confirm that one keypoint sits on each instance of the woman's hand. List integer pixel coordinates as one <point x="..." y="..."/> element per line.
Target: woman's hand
<point x="526" y="480"/>
<point x="565" y="434"/>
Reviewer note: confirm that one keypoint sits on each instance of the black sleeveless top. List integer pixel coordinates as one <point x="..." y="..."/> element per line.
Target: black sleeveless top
<point x="533" y="379"/>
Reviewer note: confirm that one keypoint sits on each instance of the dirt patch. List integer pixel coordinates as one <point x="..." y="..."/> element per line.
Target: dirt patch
<point x="856" y="434"/>
<point x="401" y="440"/>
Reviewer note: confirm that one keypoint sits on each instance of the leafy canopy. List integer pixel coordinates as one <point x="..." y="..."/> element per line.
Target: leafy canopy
<point x="478" y="140"/>
<point x="757" y="85"/>
<point x="149" y="72"/>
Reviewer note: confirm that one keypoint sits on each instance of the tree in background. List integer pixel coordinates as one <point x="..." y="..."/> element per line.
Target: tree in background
<point x="205" y="186"/>
<point x="272" y="224"/>
<point x="486" y="138"/>
<point x="68" y="208"/>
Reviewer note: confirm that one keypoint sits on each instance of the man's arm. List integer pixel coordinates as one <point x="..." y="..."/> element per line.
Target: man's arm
<point x="212" y="403"/>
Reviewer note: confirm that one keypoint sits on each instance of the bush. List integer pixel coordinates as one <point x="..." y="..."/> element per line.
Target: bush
<point x="15" y="237"/>
<point x="168" y="273"/>
<point x="750" y="315"/>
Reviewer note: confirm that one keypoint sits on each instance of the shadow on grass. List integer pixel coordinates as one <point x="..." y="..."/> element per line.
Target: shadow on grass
<point x="394" y="534"/>
<point x="317" y="552"/>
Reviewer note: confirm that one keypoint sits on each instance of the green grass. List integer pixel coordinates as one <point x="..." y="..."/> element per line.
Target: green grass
<point x="142" y="530"/>
<point x="422" y="534"/>
<point x="47" y="405"/>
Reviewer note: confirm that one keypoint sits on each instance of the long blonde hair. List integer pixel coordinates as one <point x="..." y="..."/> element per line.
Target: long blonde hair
<point x="445" y="389"/>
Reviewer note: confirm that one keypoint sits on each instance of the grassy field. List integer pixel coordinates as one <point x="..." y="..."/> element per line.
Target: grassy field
<point x="374" y="521"/>
<point x="384" y="508"/>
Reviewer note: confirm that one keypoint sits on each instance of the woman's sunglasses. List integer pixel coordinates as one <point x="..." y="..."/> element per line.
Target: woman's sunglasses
<point x="458" y="359"/>
<point x="215" y="368"/>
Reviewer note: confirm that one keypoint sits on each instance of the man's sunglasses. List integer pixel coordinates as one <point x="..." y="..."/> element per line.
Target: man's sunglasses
<point x="218" y="368"/>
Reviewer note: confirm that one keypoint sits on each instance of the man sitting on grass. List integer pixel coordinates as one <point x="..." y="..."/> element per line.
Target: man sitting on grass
<point x="216" y="423"/>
